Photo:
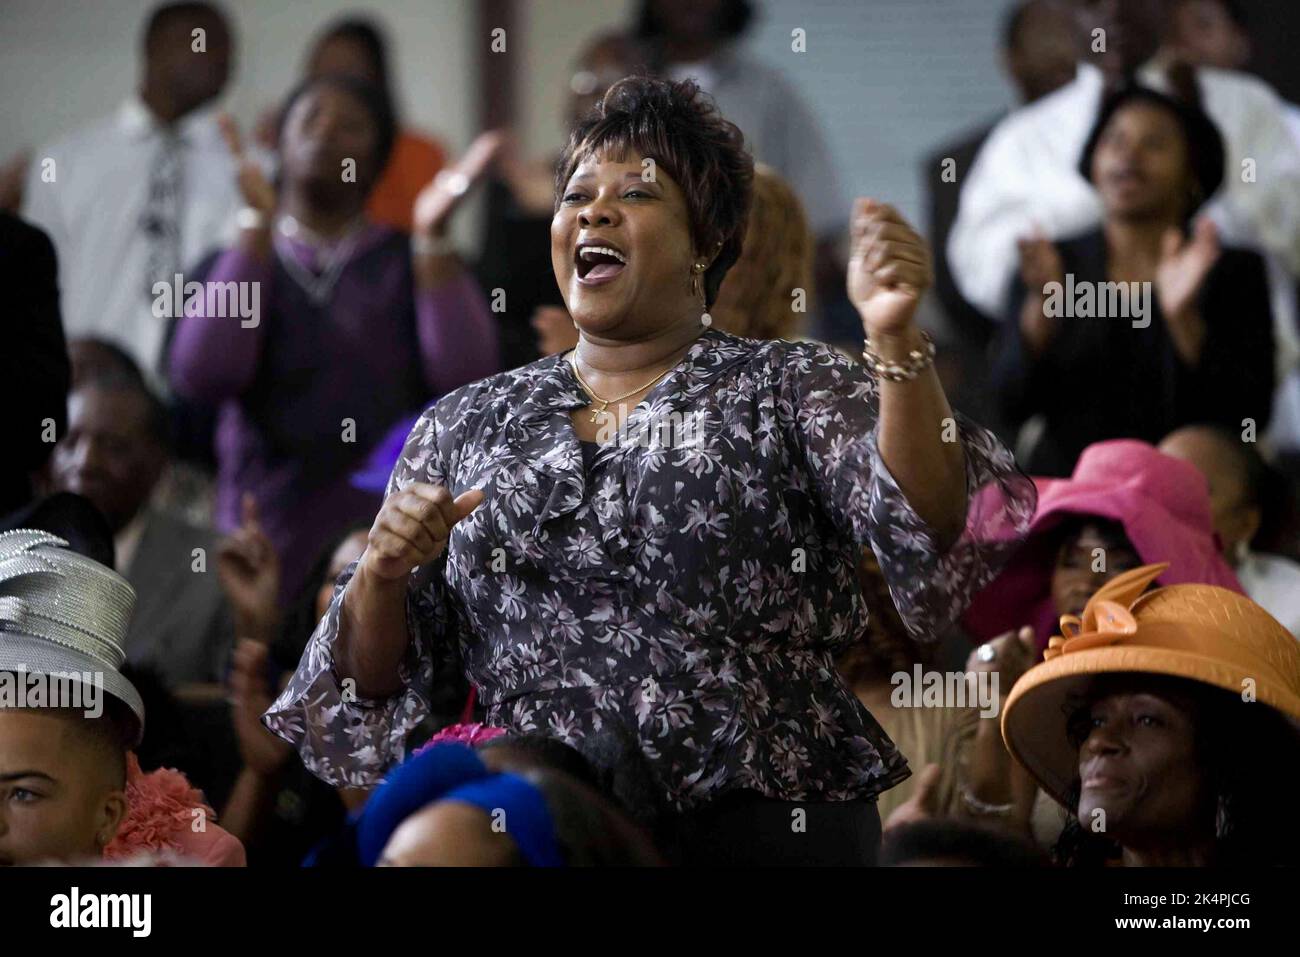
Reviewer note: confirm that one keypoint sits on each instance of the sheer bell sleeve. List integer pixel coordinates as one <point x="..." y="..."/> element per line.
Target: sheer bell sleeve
<point x="834" y="405"/>
<point x="351" y="741"/>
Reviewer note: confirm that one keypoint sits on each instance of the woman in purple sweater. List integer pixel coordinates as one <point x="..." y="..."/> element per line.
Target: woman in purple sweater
<point x="335" y="329"/>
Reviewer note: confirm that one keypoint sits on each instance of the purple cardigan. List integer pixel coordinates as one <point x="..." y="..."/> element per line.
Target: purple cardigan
<point x="309" y="391"/>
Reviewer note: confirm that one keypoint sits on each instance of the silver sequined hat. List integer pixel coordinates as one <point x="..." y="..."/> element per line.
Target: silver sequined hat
<point x="62" y="613"/>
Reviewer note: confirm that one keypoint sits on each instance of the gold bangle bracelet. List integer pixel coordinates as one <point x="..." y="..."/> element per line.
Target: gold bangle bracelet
<point x="917" y="361"/>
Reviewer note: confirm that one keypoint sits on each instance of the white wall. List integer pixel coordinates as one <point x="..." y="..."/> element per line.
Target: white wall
<point x="890" y="79"/>
<point x="63" y="62"/>
<point x="555" y="31"/>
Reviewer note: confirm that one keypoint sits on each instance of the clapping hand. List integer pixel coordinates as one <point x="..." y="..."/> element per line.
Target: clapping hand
<point x="555" y="329"/>
<point x="249" y="571"/>
<point x="254" y="187"/>
<point x="1040" y="262"/>
<point x="1184" y="264"/>
<point x="1040" y="265"/>
<point x="13" y="174"/>
<point x="437" y="201"/>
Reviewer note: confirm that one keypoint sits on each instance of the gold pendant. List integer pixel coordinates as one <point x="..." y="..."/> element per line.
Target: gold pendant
<point x="599" y="412"/>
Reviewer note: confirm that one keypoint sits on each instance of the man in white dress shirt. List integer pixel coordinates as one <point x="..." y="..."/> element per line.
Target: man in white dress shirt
<point x="1026" y="176"/>
<point x="1027" y="173"/>
<point x="142" y="194"/>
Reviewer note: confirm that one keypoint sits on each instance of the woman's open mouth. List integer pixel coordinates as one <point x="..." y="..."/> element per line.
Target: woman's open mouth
<point x="598" y="263"/>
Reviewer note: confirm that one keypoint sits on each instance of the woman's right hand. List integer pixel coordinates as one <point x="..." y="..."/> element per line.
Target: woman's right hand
<point x="555" y="329"/>
<point x="1040" y="264"/>
<point x="412" y="529"/>
<point x="254" y="187"/>
<point x="438" y="200"/>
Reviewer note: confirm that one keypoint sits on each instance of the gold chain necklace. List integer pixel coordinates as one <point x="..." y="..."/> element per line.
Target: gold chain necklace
<point x="604" y="403"/>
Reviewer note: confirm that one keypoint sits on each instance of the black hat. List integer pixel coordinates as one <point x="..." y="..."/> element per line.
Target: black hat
<point x="1204" y="143"/>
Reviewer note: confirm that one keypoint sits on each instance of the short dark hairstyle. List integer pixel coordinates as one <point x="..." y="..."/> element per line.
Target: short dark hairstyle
<point x="734" y="17"/>
<point x="590" y="830"/>
<point x="371" y="97"/>
<point x="1235" y="10"/>
<point x="1236" y="13"/>
<point x="1073" y="523"/>
<point x="1205" y="151"/>
<point x="681" y="129"/>
<point x="109" y="734"/>
<point x="1013" y="23"/>
<point x="113" y="732"/>
<point x="945" y="839"/>
<point x="119" y="363"/>
<point x="368" y="35"/>
<point x="164" y="16"/>
<point x="157" y="419"/>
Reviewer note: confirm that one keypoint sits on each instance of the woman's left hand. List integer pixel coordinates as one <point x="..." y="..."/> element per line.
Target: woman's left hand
<point x="248" y="570"/>
<point x="889" y="269"/>
<point x="1009" y="655"/>
<point x="437" y="201"/>
<point x="1184" y="264"/>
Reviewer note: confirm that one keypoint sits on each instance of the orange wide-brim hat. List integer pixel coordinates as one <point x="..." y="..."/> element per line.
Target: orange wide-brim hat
<point x="1201" y="633"/>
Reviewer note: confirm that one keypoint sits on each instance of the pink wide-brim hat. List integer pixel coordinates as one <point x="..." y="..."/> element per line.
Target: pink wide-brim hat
<point x="1163" y="504"/>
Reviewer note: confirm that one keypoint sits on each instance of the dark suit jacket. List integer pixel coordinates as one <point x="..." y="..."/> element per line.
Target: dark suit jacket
<point x="182" y="626"/>
<point x="1104" y="379"/>
<point x="34" y="369"/>
<point x="942" y="201"/>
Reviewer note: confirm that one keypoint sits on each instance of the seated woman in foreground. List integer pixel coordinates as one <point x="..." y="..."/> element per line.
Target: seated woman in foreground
<point x="1159" y="720"/>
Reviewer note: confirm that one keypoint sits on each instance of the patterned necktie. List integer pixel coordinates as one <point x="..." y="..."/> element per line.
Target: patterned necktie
<point x="161" y="220"/>
<point x="161" y="223"/>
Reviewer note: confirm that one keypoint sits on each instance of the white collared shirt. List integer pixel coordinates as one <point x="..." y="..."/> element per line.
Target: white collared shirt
<point x="127" y="541"/>
<point x="1026" y="173"/>
<point x="92" y="209"/>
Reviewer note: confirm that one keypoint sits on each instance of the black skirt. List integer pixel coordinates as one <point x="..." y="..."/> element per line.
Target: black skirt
<point x="746" y="829"/>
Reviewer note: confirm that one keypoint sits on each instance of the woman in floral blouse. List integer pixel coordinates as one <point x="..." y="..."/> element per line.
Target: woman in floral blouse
<point x="670" y="602"/>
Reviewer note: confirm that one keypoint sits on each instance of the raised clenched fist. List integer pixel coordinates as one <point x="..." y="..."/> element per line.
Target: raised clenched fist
<point x="889" y="268"/>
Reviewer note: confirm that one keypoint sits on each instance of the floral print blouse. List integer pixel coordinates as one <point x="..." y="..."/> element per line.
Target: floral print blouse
<point x="679" y="603"/>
